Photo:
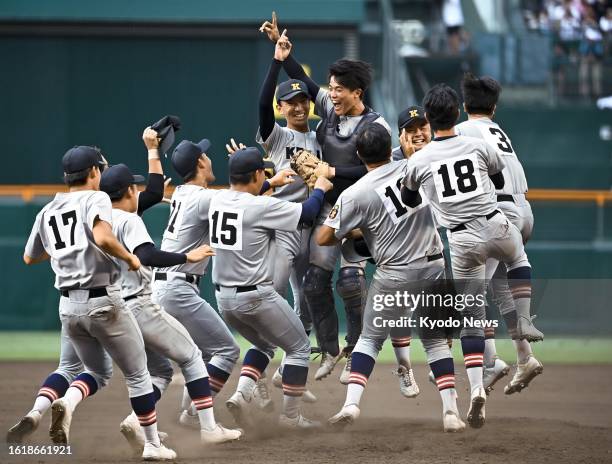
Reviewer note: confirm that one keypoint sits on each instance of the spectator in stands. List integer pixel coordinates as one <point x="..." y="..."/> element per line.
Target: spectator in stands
<point x="591" y="54"/>
<point x="452" y="16"/>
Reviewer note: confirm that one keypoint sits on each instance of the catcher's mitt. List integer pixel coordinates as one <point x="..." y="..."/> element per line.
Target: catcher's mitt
<point x="305" y="163"/>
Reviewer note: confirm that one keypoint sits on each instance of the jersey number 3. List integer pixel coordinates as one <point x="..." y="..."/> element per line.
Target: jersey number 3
<point x="457" y="179"/>
<point x="226" y="229"/>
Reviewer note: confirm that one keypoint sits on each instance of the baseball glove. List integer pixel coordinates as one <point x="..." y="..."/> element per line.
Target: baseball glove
<point x="305" y="163"/>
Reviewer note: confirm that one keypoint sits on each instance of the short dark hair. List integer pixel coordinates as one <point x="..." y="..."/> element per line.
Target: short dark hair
<point x="480" y="94"/>
<point x="441" y="105"/>
<point x="78" y="178"/>
<point x="374" y="143"/>
<point x="189" y="177"/>
<point x="118" y="195"/>
<point x="352" y="74"/>
<point x="242" y="179"/>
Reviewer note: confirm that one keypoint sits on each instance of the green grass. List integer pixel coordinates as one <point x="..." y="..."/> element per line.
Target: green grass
<point x="44" y="346"/>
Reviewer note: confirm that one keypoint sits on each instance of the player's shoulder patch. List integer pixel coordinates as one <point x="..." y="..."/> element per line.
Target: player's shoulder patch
<point x="334" y="212"/>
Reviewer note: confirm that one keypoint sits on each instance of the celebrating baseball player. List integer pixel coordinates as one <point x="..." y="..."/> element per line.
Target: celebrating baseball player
<point x="407" y="251"/>
<point x="480" y="97"/>
<point x="74" y="231"/>
<point x="459" y="176"/>
<point x="165" y="338"/>
<point x="242" y="227"/>
<point x="343" y="113"/>
<point x="70" y="365"/>
<point x="414" y="132"/>
<point x="280" y="144"/>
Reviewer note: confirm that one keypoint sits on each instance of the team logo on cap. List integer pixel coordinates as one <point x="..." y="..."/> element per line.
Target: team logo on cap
<point x="295" y="86"/>
<point x="414" y="113"/>
<point x="334" y="212"/>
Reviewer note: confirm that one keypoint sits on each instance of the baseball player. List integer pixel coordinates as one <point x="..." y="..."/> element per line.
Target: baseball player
<point x="176" y="288"/>
<point x="459" y="176"/>
<point x="480" y="97"/>
<point x="343" y="113"/>
<point x="414" y="133"/>
<point x="70" y="366"/>
<point x="74" y="232"/>
<point x="164" y="337"/>
<point x="242" y="229"/>
<point x="280" y="143"/>
<point x="407" y="250"/>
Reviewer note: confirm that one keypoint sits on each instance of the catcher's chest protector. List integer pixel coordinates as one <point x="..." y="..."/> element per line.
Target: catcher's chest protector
<point x="341" y="150"/>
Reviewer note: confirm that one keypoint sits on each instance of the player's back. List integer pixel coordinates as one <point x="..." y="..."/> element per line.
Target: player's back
<point x="188" y="225"/>
<point x="396" y="234"/>
<point x="454" y="174"/>
<point x="131" y="232"/>
<point x="490" y="132"/>
<point x="242" y="229"/>
<point x="65" y="227"/>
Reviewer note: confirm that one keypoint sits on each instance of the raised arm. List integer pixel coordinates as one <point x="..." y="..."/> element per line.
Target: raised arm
<point x="266" y="96"/>
<point x="154" y="191"/>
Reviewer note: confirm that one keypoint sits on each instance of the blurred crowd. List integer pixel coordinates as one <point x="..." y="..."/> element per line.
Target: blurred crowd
<point x="582" y="33"/>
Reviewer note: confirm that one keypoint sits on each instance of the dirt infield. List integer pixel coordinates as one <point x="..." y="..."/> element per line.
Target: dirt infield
<point x="565" y="417"/>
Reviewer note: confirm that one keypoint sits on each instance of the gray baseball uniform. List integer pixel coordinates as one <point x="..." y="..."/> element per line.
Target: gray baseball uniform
<point x="293" y="246"/>
<point x="165" y="338"/>
<point x="454" y="175"/>
<point x="404" y="244"/>
<point x="97" y="326"/>
<point x="511" y="200"/>
<point x="187" y="229"/>
<point x="241" y="230"/>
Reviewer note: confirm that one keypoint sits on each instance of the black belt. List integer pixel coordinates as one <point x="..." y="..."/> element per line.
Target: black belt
<point x="191" y="278"/>
<point x="462" y="226"/>
<point x="93" y="292"/>
<point x="248" y="288"/>
<point x="131" y="297"/>
<point x="505" y="198"/>
<point x="434" y="257"/>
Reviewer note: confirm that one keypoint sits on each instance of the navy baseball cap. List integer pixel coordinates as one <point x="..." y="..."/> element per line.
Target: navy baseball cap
<point x="289" y="89"/>
<point x="118" y="177"/>
<point x="80" y="158"/>
<point x="410" y="116"/>
<point x="247" y="160"/>
<point x="186" y="155"/>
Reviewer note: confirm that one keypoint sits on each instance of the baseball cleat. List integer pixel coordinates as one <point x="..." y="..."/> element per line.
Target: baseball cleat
<point x="238" y="408"/>
<point x="524" y="374"/>
<point x="261" y="396"/>
<point x="219" y="435"/>
<point x="189" y="420"/>
<point x="277" y="381"/>
<point x="61" y="417"/>
<point x="491" y="375"/>
<point x="408" y="385"/>
<point x="309" y="397"/>
<point x="346" y="372"/>
<point x="347" y="415"/>
<point x="328" y="362"/>
<point x="297" y="422"/>
<point x="527" y="331"/>
<point x="452" y="422"/>
<point x="432" y="379"/>
<point x="157" y="453"/>
<point x="24" y="428"/>
<point x="277" y="378"/>
<point x="130" y="429"/>
<point x="476" y="414"/>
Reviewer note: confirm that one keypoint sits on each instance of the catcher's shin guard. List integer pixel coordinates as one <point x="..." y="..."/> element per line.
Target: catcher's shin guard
<point x="351" y="286"/>
<point x="320" y="299"/>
